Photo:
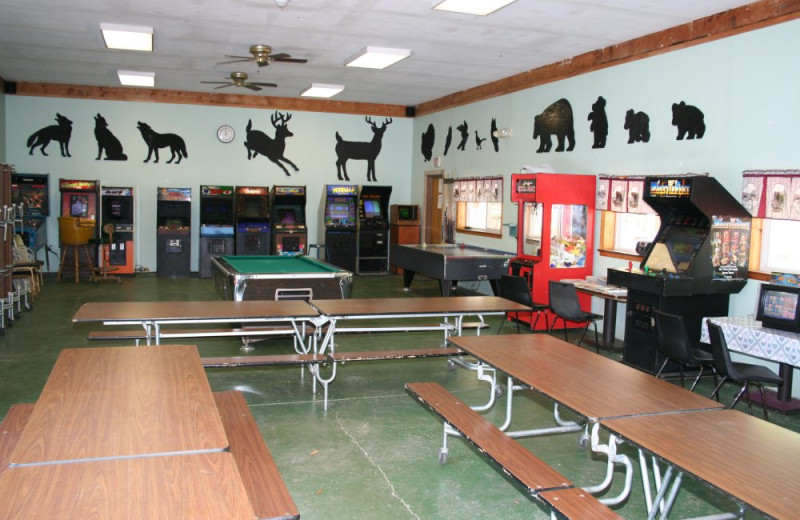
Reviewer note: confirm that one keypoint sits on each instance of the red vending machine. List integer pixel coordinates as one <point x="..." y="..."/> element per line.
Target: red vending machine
<point x="555" y="231"/>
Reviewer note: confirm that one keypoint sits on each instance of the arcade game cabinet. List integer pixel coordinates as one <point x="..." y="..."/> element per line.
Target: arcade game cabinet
<point x="288" y="219"/>
<point x="341" y="225"/>
<point x="216" y="225"/>
<point x="31" y="190"/>
<point x="174" y="220"/>
<point x="696" y="260"/>
<point x="373" y="230"/>
<point x="555" y="232"/>
<point x="252" y="220"/>
<point x="79" y="198"/>
<point x="117" y="209"/>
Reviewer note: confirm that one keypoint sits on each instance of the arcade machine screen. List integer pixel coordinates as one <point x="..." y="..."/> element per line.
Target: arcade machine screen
<point x="217" y="212"/>
<point x="252" y="208"/>
<point x="118" y="209"/>
<point x="79" y="206"/>
<point x="675" y="248"/>
<point x="31" y="192"/>
<point x="372" y="208"/>
<point x="340" y="211"/>
<point x="289" y="216"/>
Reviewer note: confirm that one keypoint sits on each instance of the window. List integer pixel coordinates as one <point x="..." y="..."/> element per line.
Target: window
<point x="631" y="228"/>
<point x="479" y="206"/>
<point x="482" y="217"/>
<point x="778" y="250"/>
<point x="621" y="231"/>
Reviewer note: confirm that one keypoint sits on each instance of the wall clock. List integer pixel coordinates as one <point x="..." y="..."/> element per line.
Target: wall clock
<point x="225" y="133"/>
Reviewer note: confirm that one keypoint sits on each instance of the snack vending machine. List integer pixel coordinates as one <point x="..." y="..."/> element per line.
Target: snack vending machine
<point x="117" y="209"/>
<point x="174" y="240"/>
<point x="216" y="225"/>
<point x="373" y="230"/>
<point x="555" y="231"/>
<point x="341" y="225"/>
<point x="288" y="220"/>
<point x="252" y="220"/>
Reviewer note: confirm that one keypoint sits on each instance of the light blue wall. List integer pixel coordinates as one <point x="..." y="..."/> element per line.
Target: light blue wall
<point x="209" y="161"/>
<point x="746" y="85"/>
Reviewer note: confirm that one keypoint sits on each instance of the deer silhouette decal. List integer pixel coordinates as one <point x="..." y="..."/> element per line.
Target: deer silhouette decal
<point x="362" y="150"/>
<point x="272" y="148"/>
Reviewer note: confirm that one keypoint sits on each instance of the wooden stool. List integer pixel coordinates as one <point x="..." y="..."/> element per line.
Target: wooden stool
<point x="75" y="234"/>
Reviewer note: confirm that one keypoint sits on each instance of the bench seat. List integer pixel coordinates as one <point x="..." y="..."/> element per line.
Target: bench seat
<point x="542" y="481"/>
<point x="273" y="359"/>
<point x="577" y="503"/>
<point x="140" y="334"/>
<point x="376" y="355"/>
<point x="268" y="494"/>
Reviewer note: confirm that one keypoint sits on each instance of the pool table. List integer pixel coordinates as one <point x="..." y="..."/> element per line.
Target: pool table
<point x="257" y="277"/>
<point x="450" y="263"/>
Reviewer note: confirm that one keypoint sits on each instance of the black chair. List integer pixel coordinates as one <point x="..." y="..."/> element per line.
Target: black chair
<point x="565" y="305"/>
<point x="740" y="373"/>
<point x="673" y="342"/>
<point x="516" y="289"/>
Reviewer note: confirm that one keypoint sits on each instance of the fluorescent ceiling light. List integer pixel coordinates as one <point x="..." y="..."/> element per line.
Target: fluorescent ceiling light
<point x="478" y="7"/>
<point x="321" y="90"/>
<point x="127" y="37"/>
<point x="131" y="78"/>
<point x="377" y="57"/>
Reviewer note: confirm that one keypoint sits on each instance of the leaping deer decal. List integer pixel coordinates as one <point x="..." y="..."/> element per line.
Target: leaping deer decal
<point x="272" y="148"/>
<point x="362" y="150"/>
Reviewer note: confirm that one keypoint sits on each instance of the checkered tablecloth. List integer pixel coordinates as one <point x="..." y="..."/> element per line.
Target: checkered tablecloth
<point x="746" y="335"/>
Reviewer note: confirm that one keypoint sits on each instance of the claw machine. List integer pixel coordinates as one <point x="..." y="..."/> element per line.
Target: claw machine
<point x="555" y="231"/>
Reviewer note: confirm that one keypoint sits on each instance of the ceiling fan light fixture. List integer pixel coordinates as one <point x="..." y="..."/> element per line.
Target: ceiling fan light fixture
<point x="132" y="78"/>
<point x="377" y="57"/>
<point x="127" y="37"/>
<point x="321" y="90"/>
<point x="476" y="7"/>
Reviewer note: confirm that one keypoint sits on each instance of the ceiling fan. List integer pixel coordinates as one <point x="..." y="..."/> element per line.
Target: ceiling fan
<point x="262" y="55"/>
<point x="239" y="79"/>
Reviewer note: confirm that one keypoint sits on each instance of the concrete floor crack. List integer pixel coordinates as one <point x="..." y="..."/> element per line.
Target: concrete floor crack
<point x="377" y="466"/>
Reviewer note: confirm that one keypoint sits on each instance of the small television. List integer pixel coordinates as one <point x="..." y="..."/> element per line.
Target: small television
<point x="779" y="307"/>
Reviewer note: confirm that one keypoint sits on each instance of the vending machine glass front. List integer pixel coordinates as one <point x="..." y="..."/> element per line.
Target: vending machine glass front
<point x="568" y="235"/>
<point x="532" y="229"/>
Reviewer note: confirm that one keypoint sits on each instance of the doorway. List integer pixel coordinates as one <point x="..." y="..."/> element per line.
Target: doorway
<point x="434" y="207"/>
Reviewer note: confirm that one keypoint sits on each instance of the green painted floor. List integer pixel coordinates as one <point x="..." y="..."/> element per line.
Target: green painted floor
<point x="374" y="453"/>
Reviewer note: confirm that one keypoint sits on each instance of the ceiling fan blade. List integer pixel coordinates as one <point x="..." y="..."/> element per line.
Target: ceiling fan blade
<point x="251" y="86"/>
<point x="225" y="86"/>
<point x="263" y="84"/>
<point x="238" y="59"/>
<point x="215" y="82"/>
<point x="289" y="59"/>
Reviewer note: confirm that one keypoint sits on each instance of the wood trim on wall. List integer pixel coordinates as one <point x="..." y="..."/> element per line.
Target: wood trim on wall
<point x="721" y="25"/>
<point x="208" y="99"/>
